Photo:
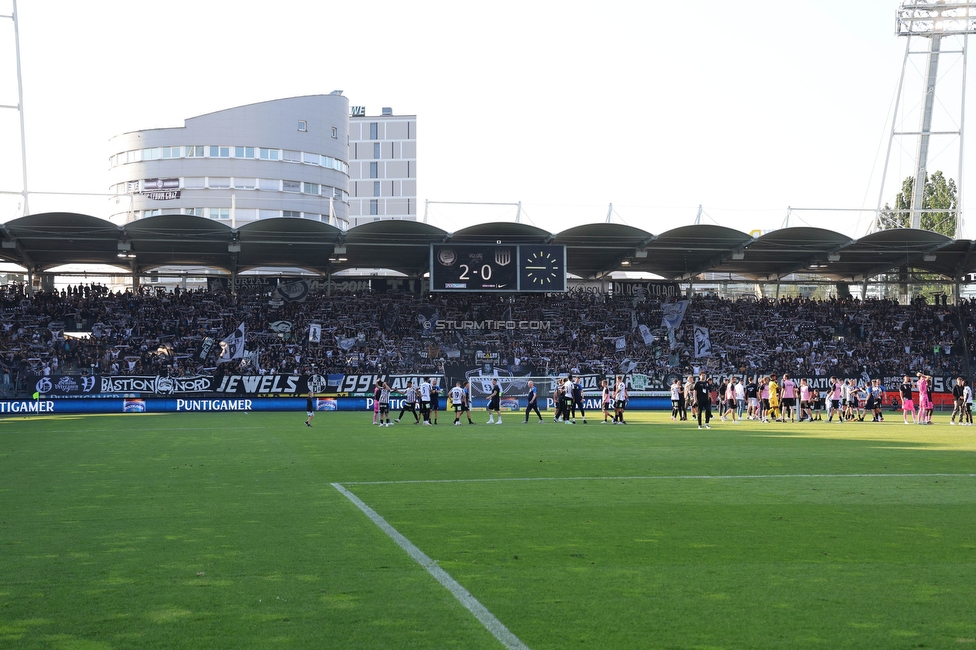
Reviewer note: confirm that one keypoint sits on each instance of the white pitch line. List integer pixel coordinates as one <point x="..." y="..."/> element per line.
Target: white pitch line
<point x="486" y="618"/>
<point x="655" y="478"/>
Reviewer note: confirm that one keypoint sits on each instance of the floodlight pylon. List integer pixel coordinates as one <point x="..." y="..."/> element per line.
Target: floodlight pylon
<point x="936" y="21"/>
<point x="20" y="106"/>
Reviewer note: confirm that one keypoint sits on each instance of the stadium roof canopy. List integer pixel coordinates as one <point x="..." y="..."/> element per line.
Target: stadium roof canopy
<point x="44" y="241"/>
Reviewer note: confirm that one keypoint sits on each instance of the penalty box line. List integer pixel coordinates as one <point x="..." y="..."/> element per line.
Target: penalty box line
<point x="661" y="477"/>
<point x="463" y="596"/>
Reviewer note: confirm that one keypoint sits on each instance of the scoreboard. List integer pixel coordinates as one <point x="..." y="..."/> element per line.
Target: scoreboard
<point x="497" y="267"/>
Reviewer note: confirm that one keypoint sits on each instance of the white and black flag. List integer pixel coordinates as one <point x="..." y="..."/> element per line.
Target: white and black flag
<point x="232" y="347"/>
<point x="703" y="342"/>
<point x="314" y="333"/>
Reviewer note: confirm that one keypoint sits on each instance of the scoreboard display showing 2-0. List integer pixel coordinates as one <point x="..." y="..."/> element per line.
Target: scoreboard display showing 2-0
<point x="497" y="267"/>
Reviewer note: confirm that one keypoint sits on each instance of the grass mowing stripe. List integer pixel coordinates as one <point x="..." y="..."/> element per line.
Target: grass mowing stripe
<point x="655" y="477"/>
<point x="486" y="618"/>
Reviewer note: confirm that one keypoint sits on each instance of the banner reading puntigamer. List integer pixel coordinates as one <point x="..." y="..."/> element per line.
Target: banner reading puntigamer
<point x="13" y="408"/>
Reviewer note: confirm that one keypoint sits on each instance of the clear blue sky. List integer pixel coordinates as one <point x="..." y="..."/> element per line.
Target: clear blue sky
<point x="567" y="107"/>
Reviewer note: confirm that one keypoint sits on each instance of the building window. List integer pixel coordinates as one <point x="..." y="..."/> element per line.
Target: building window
<point x="219" y="152"/>
<point x="219" y="213"/>
<point x="197" y="212"/>
<point x="291" y="156"/>
<point x="268" y="214"/>
<point x="269" y="154"/>
<point x="243" y="152"/>
<point x="312" y="158"/>
<point x="311" y="188"/>
<point x="291" y="186"/>
<point x="244" y="183"/>
<point x="376" y="188"/>
<point x="218" y="182"/>
<point x="374" y="129"/>
<point x="302" y="125"/>
<point x="194" y="151"/>
<point x="272" y="184"/>
<point x="295" y="214"/>
<point x="150" y="154"/>
<point x="335" y="132"/>
<point x="194" y="183"/>
<point x="172" y="152"/>
<point x="376" y="150"/>
<point x="374" y="207"/>
<point x="374" y="170"/>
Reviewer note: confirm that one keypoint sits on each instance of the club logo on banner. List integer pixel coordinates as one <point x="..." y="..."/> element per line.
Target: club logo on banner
<point x="703" y="344"/>
<point x="314" y="333"/>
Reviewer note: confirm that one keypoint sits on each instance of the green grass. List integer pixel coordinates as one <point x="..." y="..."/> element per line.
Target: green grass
<point x="223" y="531"/>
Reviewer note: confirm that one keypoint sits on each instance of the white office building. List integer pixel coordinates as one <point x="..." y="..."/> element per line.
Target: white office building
<point x="382" y="166"/>
<point x="280" y="158"/>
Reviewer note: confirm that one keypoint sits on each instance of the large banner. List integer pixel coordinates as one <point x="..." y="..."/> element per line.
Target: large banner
<point x="67" y="386"/>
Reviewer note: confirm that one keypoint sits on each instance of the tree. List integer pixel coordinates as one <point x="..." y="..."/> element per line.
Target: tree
<point x="940" y="194"/>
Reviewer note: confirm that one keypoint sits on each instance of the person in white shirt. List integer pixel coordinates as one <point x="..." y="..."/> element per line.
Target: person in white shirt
<point x="410" y="403"/>
<point x="458" y="402"/>
<point x="967" y="395"/>
<point x="568" y="399"/>
<point x="619" y="400"/>
<point x="424" y="390"/>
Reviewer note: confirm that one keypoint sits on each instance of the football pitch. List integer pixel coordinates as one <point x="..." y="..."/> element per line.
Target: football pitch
<point x="249" y="530"/>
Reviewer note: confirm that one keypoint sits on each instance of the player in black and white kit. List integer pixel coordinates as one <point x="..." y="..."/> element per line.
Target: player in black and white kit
<point x="384" y="400"/>
<point x="458" y="400"/>
<point x="619" y="400"/>
<point x="495" y="403"/>
<point x="409" y="403"/>
<point x="568" y="400"/>
<point x="424" y="390"/>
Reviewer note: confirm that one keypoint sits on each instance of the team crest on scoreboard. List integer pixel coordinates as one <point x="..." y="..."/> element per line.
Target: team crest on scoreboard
<point x="447" y="257"/>
<point x="503" y="256"/>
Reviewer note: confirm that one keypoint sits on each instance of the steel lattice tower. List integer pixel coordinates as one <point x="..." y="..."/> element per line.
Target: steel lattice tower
<point x="939" y="23"/>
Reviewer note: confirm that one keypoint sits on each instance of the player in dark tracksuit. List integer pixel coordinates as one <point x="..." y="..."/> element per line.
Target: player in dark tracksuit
<point x="578" y="399"/>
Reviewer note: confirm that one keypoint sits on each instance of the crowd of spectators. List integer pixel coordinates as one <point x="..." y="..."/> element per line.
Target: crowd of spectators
<point x="89" y="329"/>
